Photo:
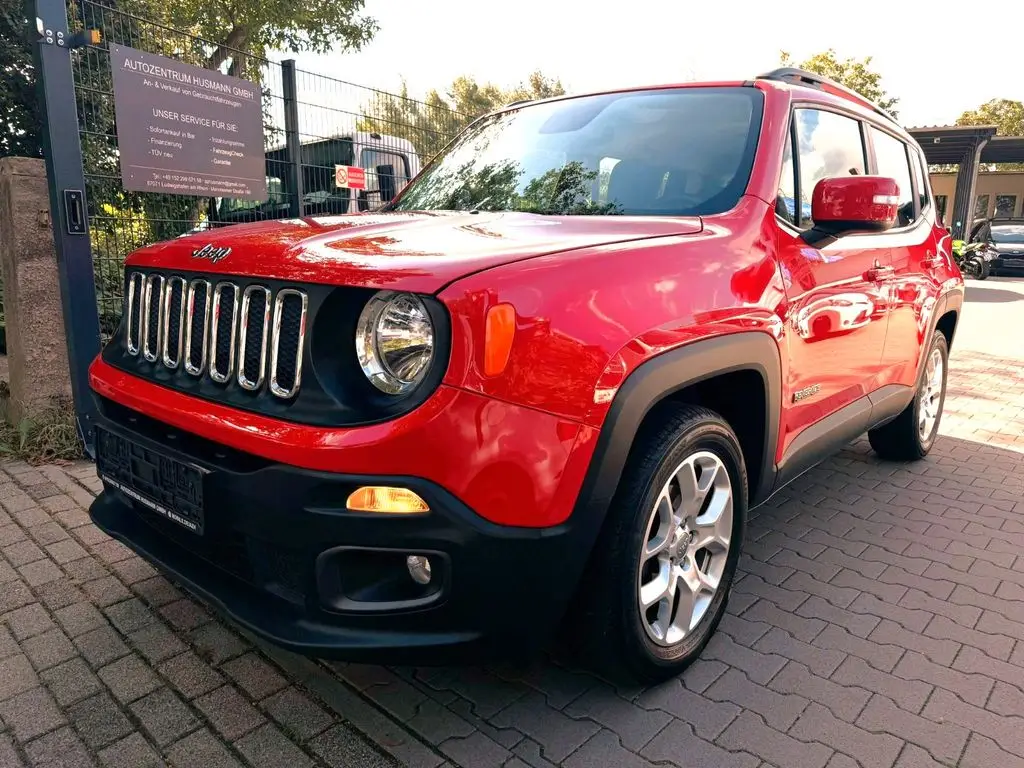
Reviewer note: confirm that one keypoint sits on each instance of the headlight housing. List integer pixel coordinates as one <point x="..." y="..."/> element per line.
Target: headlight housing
<point x="395" y="341"/>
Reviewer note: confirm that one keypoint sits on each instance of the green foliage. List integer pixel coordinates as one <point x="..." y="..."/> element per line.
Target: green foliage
<point x="1006" y="115"/>
<point x="855" y="74"/>
<point x="433" y="122"/>
<point x="50" y="435"/>
<point x="252" y="27"/>
<point x="19" y="114"/>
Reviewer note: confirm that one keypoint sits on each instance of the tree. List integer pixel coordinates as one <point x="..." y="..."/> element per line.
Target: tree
<point x="19" y="113"/>
<point x="1008" y="118"/>
<point x="433" y="122"/>
<point x="1005" y="114"/>
<point x="855" y="74"/>
<point x="230" y="27"/>
<point x="234" y="32"/>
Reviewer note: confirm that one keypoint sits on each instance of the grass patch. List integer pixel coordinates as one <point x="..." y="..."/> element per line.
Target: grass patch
<point x="49" y="436"/>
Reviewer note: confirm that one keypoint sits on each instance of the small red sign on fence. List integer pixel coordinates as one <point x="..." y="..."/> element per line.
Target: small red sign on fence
<point x="349" y="177"/>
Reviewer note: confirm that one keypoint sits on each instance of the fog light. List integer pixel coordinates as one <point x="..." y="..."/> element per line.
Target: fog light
<point x="387" y="501"/>
<point x="419" y="568"/>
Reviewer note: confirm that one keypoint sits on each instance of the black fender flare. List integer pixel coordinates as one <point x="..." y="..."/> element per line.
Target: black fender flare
<point x="949" y="301"/>
<point x="660" y="377"/>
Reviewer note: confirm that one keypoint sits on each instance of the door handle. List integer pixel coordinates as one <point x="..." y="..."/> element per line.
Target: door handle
<point x="879" y="273"/>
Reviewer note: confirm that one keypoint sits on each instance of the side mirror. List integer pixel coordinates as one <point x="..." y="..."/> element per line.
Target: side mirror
<point x="386" y="182"/>
<point x="846" y="205"/>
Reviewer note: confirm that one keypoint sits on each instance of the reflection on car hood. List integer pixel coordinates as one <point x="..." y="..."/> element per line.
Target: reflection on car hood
<point x="414" y="251"/>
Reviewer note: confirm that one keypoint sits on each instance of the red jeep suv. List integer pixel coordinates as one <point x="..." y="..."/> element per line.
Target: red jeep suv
<point x="550" y="378"/>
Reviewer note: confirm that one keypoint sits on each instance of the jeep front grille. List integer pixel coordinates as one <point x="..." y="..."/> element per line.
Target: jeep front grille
<point x="218" y="329"/>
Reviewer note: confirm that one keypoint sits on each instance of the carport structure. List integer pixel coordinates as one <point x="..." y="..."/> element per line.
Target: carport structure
<point x="967" y="146"/>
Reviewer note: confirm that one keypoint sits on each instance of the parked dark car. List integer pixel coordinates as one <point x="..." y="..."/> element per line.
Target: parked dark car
<point x="1006" y="236"/>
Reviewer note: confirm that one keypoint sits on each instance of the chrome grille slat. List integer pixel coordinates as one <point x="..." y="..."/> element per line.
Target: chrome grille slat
<point x="222" y="375"/>
<point x="151" y="326"/>
<point x="242" y="333"/>
<point x="174" y="320"/>
<point x="133" y="313"/>
<point x="198" y="294"/>
<point x="284" y="366"/>
<point x="259" y="320"/>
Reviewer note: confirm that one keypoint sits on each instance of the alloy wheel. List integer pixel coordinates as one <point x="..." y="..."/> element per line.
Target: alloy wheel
<point x="686" y="546"/>
<point x="931" y="395"/>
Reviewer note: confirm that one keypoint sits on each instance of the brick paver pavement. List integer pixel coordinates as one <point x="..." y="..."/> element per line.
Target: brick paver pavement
<point x="878" y="621"/>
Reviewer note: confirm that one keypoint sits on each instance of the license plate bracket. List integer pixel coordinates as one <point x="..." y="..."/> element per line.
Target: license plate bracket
<point x="172" y="489"/>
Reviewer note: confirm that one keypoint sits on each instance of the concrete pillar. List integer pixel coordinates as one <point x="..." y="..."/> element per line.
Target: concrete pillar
<point x="37" y="351"/>
<point x="966" y="186"/>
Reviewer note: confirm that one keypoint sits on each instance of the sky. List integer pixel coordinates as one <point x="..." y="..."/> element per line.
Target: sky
<point x="598" y="45"/>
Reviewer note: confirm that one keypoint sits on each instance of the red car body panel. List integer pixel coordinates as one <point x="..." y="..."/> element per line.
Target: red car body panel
<point x="595" y="298"/>
<point x="419" y="252"/>
<point x="521" y="458"/>
<point x="519" y="466"/>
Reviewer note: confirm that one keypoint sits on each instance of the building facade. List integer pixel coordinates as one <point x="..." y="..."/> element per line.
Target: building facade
<point x="998" y="193"/>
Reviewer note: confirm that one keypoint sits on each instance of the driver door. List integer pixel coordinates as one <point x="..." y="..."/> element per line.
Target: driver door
<point x="836" y="312"/>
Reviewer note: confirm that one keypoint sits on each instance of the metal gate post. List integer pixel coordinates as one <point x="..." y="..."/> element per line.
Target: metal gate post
<point x="290" y="89"/>
<point x="68" y="212"/>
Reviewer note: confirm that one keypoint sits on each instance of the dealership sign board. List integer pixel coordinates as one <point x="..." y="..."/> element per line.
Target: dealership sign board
<point x="185" y="130"/>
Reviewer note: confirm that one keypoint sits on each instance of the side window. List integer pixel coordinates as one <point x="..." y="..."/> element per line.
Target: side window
<point x="921" y="178"/>
<point x="829" y="145"/>
<point x="785" y="200"/>
<point x="891" y="158"/>
<point x="1006" y="205"/>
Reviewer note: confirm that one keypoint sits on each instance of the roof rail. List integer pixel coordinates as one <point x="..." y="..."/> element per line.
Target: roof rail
<point x="517" y="103"/>
<point x="814" y="80"/>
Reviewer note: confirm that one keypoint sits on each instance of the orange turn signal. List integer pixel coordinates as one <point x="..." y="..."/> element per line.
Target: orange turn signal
<point x="499" y="332"/>
<point x="384" y="500"/>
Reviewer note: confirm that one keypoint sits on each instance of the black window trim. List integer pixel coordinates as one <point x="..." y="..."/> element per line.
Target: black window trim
<point x="870" y="165"/>
<point x="791" y="133"/>
<point x="919" y="219"/>
<point x="929" y="193"/>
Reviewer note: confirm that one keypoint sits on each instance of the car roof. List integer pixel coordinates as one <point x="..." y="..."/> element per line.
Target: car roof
<point x="796" y="83"/>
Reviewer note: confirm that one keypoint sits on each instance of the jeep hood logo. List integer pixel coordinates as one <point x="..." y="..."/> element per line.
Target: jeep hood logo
<point x="212" y="253"/>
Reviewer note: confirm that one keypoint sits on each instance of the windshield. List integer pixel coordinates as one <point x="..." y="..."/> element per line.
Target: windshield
<point x="669" y="152"/>
<point x="1008" y="233"/>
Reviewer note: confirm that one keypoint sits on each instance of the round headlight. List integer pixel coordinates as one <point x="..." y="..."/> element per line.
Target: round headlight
<point x="395" y="341"/>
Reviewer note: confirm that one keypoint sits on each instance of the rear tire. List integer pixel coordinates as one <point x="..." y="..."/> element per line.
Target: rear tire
<point x="910" y="435"/>
<point x="672" y="540"/>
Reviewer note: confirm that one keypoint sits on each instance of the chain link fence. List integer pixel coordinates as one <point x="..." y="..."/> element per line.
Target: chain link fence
<point x="338" y="123"/>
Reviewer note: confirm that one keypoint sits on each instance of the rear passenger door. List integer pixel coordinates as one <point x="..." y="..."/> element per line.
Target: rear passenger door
<point x="916" y="253"/>
<point x="836" y="316"/>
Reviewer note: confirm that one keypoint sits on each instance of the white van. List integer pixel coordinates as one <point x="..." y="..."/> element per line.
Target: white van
<point x="388" y="161"/>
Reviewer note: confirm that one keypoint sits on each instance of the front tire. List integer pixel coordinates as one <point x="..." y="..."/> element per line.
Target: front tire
<point x="910" y="435"/>
<point x="665" y="562"/>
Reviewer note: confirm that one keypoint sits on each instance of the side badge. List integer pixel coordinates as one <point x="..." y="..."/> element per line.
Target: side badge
<point x="803" y="394"/>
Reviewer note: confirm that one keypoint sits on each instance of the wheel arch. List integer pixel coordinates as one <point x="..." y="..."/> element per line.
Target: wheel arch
<point x="749" y="356"/>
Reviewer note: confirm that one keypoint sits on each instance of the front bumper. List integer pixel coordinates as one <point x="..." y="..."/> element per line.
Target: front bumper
<point x="277" y="550"/>
<point x="1009" y="262"/>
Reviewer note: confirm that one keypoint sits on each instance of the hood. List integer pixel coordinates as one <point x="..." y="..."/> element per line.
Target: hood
<point x="1009" y="249"/>
<point x="419" y="251"/>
